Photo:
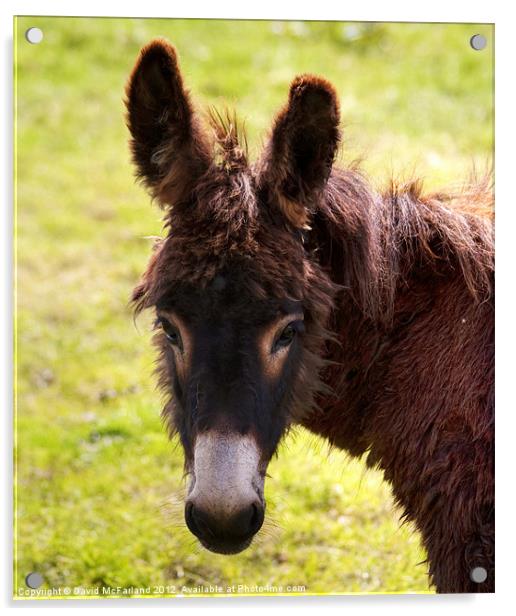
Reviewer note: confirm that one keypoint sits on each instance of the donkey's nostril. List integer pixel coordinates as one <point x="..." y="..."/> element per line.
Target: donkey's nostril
<point x="200" y="522"/>
<point x="246" y="522"/>
<point x="190" y="519"/>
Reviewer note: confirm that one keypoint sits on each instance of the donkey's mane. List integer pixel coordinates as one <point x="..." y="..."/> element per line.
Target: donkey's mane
<point x="377" y="239"/>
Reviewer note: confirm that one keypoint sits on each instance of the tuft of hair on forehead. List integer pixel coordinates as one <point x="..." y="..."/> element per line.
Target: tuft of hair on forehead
<point x="231" y="147"/>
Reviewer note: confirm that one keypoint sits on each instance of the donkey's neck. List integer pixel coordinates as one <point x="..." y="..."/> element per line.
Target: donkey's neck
<point x="415" y="274"/>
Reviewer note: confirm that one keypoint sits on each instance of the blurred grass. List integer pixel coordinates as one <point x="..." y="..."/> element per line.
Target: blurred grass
<point x="94" y="468"/>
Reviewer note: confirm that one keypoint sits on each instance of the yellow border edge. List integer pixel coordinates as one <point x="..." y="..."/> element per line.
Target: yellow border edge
<point x="15" y="298"/>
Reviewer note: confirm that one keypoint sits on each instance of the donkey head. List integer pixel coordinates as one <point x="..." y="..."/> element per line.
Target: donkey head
<point x="241" y="303"/>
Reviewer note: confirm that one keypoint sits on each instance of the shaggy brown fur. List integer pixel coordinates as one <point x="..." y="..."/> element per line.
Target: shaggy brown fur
<point x="397" y="291"/>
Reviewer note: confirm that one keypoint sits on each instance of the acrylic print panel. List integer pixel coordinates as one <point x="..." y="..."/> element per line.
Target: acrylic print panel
<point x="298" y="299"/>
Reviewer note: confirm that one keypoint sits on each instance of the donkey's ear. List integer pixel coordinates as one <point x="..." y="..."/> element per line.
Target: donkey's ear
<point x="168" y="146"/>
<point x="298" y="158"/>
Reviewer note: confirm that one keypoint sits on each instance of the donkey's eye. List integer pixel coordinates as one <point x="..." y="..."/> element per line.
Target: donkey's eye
<point x="286" y="337"/>
<point x="171" y="332"/>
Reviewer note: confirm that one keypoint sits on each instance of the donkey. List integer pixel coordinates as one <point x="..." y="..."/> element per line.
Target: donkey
<point x="290" y="292"/>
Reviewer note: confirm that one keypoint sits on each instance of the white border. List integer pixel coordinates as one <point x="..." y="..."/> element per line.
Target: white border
<point x="497" y="11"/>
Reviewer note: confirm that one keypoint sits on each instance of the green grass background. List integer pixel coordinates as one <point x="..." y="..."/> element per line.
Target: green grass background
<point x="98" y="485"/>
